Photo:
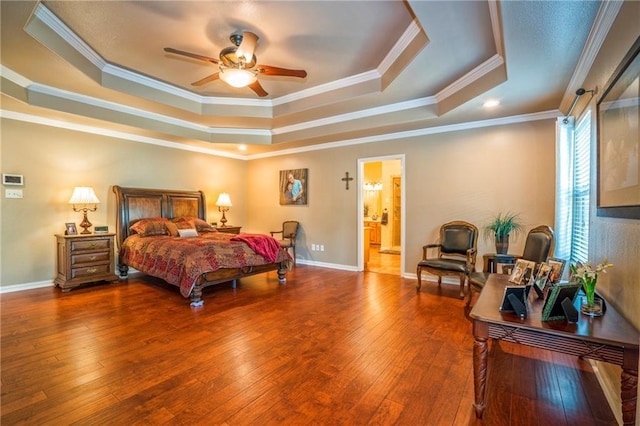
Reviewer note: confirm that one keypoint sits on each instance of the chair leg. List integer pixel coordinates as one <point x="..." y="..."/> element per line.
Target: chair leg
<point x="419" y="273"/>
<point x="294" y="255"/>
<point x="462" y="280"/>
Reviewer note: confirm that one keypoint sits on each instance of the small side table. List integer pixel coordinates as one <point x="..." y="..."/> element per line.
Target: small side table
<point x="492" y="260"/>
<point x="229" y="229"/>
<point x="83" y="259"/>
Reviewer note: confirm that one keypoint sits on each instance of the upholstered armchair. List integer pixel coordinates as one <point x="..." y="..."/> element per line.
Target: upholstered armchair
<point x="288" y="235"/>
<point x="455" y="254"/>
<point x="538" y="247"/>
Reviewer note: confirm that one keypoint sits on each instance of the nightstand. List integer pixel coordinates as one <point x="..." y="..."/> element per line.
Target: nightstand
<point x="229" y="229"/>
<point x="83" y="259"/>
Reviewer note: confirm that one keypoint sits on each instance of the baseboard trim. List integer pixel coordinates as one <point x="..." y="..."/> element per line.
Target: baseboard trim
<point x="610" y="393"/>
<point x="25" y="286"/>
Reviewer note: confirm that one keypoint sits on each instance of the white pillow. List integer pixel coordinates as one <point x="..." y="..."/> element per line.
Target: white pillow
<point x="186" y="233"/>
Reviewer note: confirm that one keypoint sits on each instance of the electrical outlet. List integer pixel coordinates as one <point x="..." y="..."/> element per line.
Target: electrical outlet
<point x="322" y="247"/>
<point x="313" y="247"/>
<point x="13" y="193"/>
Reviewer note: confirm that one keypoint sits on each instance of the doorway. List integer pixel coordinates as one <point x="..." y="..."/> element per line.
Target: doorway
<point x="381" y="207"/>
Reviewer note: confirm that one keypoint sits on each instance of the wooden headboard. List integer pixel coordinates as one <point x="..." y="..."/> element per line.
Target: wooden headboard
<point x="133" y="204"/>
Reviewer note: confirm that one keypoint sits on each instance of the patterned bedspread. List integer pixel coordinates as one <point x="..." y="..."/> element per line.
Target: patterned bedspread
<point x="180" y="261"/>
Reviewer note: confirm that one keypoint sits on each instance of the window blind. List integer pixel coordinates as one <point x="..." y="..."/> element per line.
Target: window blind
<point x="581" y="188"/>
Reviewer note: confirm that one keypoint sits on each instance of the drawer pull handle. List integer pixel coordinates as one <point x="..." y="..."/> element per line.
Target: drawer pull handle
<point x="92" y="245"/>
<point x="91" y="270"/>
<point x="92" y="258"/>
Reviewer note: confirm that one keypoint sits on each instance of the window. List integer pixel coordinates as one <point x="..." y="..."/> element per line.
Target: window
<point x="572" y="190"/>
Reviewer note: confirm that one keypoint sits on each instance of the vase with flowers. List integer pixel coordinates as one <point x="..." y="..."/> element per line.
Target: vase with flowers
<point x="587" y="276"/>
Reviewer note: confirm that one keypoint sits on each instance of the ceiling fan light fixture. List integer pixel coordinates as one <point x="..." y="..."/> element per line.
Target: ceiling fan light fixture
<point x="238" y="77"/>
<point x="247" y="46"/>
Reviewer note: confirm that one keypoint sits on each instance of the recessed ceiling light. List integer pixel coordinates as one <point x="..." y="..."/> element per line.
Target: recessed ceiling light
<point x="490" y="103"/>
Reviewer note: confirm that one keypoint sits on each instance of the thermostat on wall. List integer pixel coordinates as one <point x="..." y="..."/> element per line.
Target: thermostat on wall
<point x="9" y="179"/>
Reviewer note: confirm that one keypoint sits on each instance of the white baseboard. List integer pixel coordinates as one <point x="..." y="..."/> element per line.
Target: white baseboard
<point x="610" y="392"/>
<point x="326" y="265"/>
<point x="25" y="286"/>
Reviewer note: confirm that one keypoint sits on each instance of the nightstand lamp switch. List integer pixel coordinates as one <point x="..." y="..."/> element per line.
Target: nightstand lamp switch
<point x="84" y="199"/>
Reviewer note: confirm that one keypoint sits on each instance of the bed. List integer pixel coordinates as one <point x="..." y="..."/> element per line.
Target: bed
<point x="190" y="263"/>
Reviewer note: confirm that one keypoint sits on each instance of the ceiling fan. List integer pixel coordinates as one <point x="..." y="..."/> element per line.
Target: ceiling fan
<point x="237" y="64"/>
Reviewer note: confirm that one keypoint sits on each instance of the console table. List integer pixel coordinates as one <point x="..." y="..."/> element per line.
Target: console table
<point x="609" y="338"/>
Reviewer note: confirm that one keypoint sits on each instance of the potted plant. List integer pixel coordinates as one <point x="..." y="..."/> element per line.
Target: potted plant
<point x="501" y="227"/>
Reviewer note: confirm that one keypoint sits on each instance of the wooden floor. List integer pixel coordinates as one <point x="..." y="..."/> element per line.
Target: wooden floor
<point x="385" y="263"/>
<point x="329" y="347"/>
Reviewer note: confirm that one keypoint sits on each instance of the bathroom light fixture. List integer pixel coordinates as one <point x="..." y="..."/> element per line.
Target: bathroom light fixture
<point x="82" y="200"/>
<point x="373" y="186"/>
<point x="223" y="203"/>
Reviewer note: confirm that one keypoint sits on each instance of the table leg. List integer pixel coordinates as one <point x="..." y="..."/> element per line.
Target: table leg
<point x="629" y="396"/>
<point x="480" y="352"/>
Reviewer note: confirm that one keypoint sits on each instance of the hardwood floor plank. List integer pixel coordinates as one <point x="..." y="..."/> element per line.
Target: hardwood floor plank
<point x="328" y="347"/>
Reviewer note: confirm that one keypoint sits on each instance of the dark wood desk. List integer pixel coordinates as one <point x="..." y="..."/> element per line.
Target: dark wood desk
<point x="609" y="338"/>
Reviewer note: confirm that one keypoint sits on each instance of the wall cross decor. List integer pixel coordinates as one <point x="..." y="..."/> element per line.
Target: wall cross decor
<point x="346" y="179"/>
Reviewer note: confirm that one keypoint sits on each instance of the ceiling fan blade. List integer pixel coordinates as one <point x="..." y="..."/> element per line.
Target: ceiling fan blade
<point x="191" y="55"/>
<point x="256" y="87"/>
<point x="208" y="79"/>
<point x="269" y="70"/>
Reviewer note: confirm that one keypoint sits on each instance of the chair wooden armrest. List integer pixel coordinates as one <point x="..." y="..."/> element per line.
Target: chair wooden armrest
<point x="471" y="259"/>
<point x="275" y="232"/>
<point x="427" y="247"/>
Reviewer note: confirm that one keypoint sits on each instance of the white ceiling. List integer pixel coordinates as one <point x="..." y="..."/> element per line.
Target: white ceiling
<point x="374" y="68"/>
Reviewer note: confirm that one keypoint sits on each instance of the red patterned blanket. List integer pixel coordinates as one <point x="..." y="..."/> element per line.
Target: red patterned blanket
<point x="267" y="247"/>
<point x="180" y="261"/>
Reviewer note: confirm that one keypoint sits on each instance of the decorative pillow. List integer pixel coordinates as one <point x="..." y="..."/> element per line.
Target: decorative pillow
<point x="187" y="233"/>
<point x="192" y="222"/>
<point x="150" y="227"/>
<point x="172" y="228"/>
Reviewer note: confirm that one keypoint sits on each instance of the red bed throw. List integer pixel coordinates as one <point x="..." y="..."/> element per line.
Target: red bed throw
<point x="264" y="245"/>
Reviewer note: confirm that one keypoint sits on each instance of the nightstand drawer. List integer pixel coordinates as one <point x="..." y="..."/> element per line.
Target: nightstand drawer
<point x="89" y="271"/>
<point x="92" y="244"/>
<point x="98" y="257"/>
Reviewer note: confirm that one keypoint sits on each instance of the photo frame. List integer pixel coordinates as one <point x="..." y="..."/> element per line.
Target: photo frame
<point x="542" y="276"/>
<point x="515" y="300"/>
<point x="618" y="168"/>
<point x="553" y="309"/>
<point x="557" y="269"/>
<point x="522" y="272"/>
<point x="293" y="187"/>
<point x="70" y="229"/>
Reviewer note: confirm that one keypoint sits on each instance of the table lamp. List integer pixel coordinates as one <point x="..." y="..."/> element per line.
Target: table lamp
<point x="223" y="203"/>
<point x="82" y="199"/>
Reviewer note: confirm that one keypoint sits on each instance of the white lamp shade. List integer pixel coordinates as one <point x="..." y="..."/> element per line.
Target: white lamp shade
<point x="83" y="195"/>
<point x="247" y="46"/>
<point x="223" y="200"/>
<point x="237" y="77"/>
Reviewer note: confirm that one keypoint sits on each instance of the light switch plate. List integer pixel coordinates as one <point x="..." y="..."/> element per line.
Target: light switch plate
<point x="13" y="193"/>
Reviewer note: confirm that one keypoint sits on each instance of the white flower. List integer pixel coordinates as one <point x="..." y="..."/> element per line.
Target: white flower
<point x="587" y="271"/>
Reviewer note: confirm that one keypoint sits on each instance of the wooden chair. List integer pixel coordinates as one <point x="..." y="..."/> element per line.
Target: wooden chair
<point x="456" y="253"/>
<point x="288" y="236"/>
<point x="538" y="247"/>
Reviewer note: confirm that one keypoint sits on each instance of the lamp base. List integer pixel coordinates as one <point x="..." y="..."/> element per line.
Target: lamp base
<point x="85" y="224"/>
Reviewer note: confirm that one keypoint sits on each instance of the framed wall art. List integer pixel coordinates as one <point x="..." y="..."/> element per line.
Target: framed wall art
<point x="618" y="190"/>
<point x="293" y="187"/>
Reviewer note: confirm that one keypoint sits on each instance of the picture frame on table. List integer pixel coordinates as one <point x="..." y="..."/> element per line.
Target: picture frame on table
<point x="553" y="309"/>
<point x="542" y="276"/>
<point x="557" y="269"/>
<point x="522" y="271"/>
<point x="70" y="229"/>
